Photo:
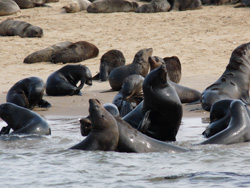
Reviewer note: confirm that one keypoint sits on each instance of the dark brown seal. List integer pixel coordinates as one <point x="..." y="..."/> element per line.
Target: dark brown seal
<point x="23" y="29"/>
<point x="104" y="134"/>
<point x="182" y="5"/>
<point x="75" y="52"/>
<point x="23" y="4"/>
<point x="8" y="7"/>
<point x="110" y="60"/>
<point x="219" y="2"/>
<point x="234" y="82"/>
<point x="139" y="66"/>
<point x="154" y="6"/>
<point x="108" y="6"/>
<point x="28" y="93"/>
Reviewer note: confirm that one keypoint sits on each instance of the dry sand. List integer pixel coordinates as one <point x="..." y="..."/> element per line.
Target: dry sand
<point x="202" y="39"/>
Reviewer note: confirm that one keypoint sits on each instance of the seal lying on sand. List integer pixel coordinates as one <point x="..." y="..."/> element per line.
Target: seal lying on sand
<point x="8" y="7"/>
<point x="243" y="3"/>
<point x="77" y="6"/>
<point x="28" y="93"/>
<point x="104" y="134"/>
<point x="108" y="6"/>
<point x="64" y="81"/>
<point x="161" y="106"/>
<point x="181" y="5"/>
<point x="76" y="52"/>
<point x="218" y="2"/>
<point x="24" y="4"/>
<point x="22" y="120"/>
<point x="139" y="66"/>
<point x="23" y="29"/>
<point x="238" y="130"/>
<point x="154" y="6"/>
<point x="234" y="82"/>
<point x="109" y="61"/>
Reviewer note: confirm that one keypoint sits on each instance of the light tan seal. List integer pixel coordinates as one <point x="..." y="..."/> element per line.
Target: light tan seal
<point x="77" y="6"/>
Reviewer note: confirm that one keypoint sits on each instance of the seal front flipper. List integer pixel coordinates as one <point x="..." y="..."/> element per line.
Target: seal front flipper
<point x="145" y="123"/>
<point x="103" y="71"/>
<point x="5" y="130"/>
<point x="43" y="104"/>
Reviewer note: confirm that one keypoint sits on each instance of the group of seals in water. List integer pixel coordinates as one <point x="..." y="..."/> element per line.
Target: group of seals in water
<point x="64" y="52"/>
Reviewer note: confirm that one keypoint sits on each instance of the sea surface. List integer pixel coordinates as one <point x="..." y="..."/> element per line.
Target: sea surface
<point x="32" y="161"/>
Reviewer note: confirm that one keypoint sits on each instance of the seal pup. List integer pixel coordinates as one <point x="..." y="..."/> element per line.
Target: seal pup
<point x="108" y="6"/>
<point x="8" y="7"/>
<point x="104" y="134"/>
<point x="161" y="106"/>
<point x="109" y="61"/>
<point x="130" y="95"/>
<point x="182" y="5"/>
<point x="64" y="81"/>
<point x="139" y="66"/>
<point x="22" y="120"/>
<point x="77" y="6"/>
<point x="234" y="82"/>
<point x="45" y="54"/>
<point x="28" y="93"/>
<point x="238" y="130"/>
<point x="76" y="52"/>
<point x="23" y="29"/>
<point x="154" y="6"/>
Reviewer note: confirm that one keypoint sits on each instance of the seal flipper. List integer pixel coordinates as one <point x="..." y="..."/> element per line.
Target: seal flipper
<point x="5" y="130"/>
<point x="43" y="104"/>
<point x="145" y="123"/>
<point x="103" y="71"/>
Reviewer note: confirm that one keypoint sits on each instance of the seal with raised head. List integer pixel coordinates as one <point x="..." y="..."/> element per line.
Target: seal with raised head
<point x="161" y="106"/>
<point x="64" y="81"/>
<point x="110" y="60"/>
<point x="28" y="93"/>
<point x="45" y="54"/>
<point x="104" y="134"/>
<point x="108" y="6"/>
<point x="77" y="6"/>
<point x="182" y="5"/>
<point x="23" y="29"/>
<point x="139" y="66"/>
<point x="8" y="7"/>
<point x="238" y="130"/>
<point x="76" y="52"/>
<point x="22" y="120"/>
<point x="234" y="82"/>
<point x="154" y="6"/>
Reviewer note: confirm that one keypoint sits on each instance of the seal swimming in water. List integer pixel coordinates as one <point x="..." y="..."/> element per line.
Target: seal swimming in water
<point x="64" y="81"/>
<point x="234" y="82"/>
<point x="182" y="5"/>
<point x="22" y="120"/>
<point x="23" y="29"/>
<point x="238" y="130"/>
<point x="76" y="52"/>
<point x="104" y="134"/>
<point x="108" y="6"/>
<point x="109" y="61"/>
<point x="8" y="7"/>
<point x="28" y="93"/>
<point x="154" y="6"/>
<point x="45" y="54"/>
<point x="139" y="66"/>
<point x="77" y="6"/>
<point x="161" y="106"/>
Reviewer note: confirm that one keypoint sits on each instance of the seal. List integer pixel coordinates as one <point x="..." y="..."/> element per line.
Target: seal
<point x="23" y="29"/>
<point x="139" y="66"/>
<point x="28" y="122"/>
<point x="130" y="95"/>
<point x="77" y="6"/>
<point x="154" y="6"/>
<point x="64" y="81"/>
<point x="234" y="82"/>
<point x="76" y="52"/>
<point x="104" y="134"/>
<point x="108" y="6"/>
<point x="24" y="4"/>
<point x="45" y="54"/>
<point x="243" y="3"/>
<point x="218" y="2"/>
<point x="161" y="106"/>
<point x="8" y="7"/>
<point x="131" y="140"/>
<point x="182" y="5"/>
<point x="109" y="61"/>
<point x="28" y="93"/>
<point x="238" y="130"/>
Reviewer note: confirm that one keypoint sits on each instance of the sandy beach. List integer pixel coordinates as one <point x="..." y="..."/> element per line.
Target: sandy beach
<point x="202" y="39"/>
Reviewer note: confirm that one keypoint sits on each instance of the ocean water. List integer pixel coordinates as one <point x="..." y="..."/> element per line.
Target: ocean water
<point x="46" y="161"/>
